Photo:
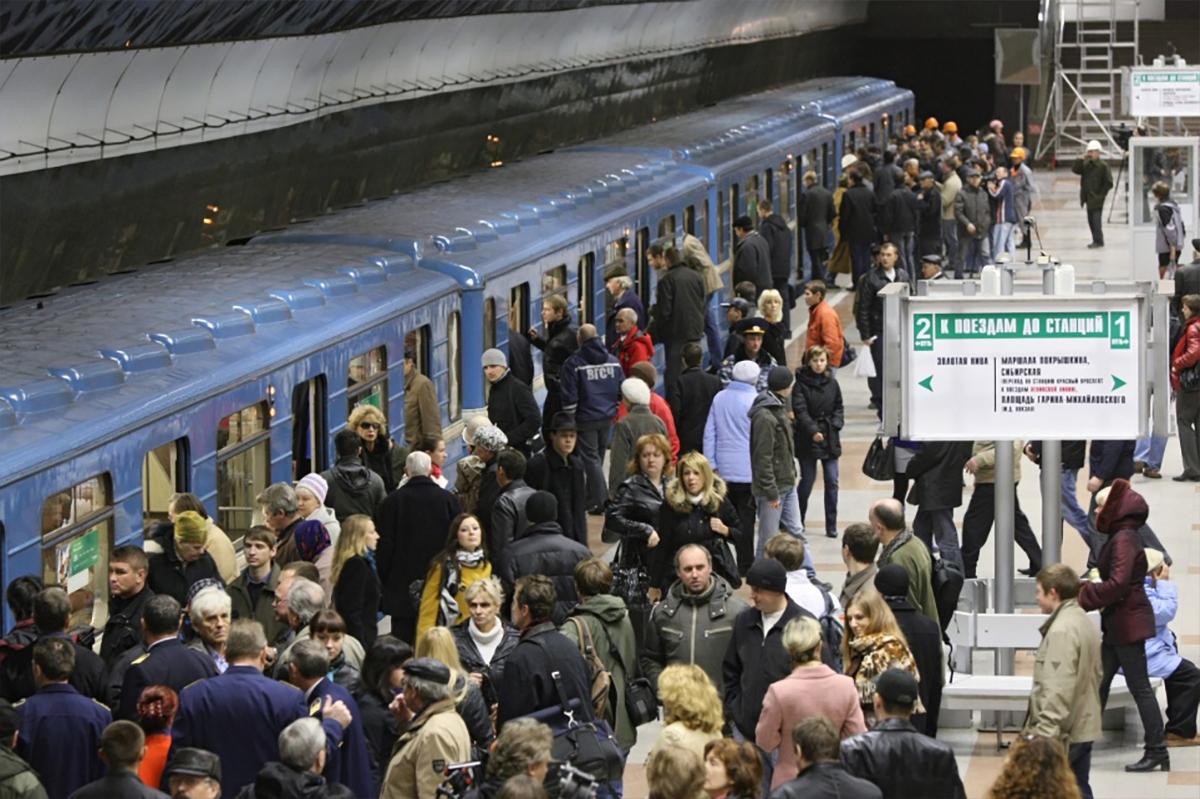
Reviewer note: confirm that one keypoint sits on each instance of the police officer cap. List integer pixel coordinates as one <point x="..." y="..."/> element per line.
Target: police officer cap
<point x="195" y="762"/>
<point x="897" y="687"/>
<point x="742" y="305"/>
<point x="430" y="669"/>
<point x="756" y="326"/>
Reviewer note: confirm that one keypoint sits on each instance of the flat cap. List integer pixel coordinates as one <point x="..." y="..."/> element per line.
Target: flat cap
<point x="194" y="762"/>
<point x="428" y="669"/>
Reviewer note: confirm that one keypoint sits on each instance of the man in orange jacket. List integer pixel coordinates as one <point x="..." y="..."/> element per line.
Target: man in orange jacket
<point x="632" y="345"/>
<point x="824" y="326"/>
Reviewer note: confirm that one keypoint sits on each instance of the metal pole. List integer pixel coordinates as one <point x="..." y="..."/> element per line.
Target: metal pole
<point x="1051" y="473"/>
<point x="1005" y="513"/>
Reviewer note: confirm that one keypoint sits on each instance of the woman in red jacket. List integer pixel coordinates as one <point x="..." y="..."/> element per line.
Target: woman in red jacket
<point x="1126" y="617"/>
<point x="1187" y="403"/>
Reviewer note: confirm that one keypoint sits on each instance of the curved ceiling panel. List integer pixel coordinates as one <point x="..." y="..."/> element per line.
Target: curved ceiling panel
<point x="120" y="102"/>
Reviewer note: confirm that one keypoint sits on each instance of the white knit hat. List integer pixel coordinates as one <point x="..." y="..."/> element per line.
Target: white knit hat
<point x="635" y="391"/>
<point x="314" y="484"/>
<point x="746" y="372"/>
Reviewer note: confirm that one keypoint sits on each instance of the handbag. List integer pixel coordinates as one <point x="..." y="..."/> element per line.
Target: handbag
<point x="640" y="700"/>
<point x="1189" y="379"/>
<point x="880" y="462"/>
<point x="587" y="745"/>
<point x="631" y="581"/>
<point x="849" y="354"/>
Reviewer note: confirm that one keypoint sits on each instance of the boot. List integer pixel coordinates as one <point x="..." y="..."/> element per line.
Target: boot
<point x="1150" y="761"/>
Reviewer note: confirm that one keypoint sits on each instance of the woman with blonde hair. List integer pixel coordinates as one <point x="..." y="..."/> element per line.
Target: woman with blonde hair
<point x="696" y="510"/>
<point x="771" y="308"/>
<point x="371" y="426"/>
<point x="633" y="514"/>
<point x="812" y="689"/>
<point x="355" y="585"/>
<point x="674" y="772"/>
<point x="1036" y="768"/>
<point x="438" y="643"/>
<point x="463" y="560"/>
<point x="873" y="643"/>
<point x="485" y="639"/>
<point x="691" y="709"/>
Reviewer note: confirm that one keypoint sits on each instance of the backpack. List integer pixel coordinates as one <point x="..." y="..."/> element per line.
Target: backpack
<point x="831" y="632"/>
<point x="602" y="682"/>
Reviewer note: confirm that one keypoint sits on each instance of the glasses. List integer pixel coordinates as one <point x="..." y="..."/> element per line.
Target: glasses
<point x="368" y="425"/>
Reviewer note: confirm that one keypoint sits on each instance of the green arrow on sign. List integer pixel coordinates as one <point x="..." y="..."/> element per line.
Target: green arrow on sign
<point x="1117" y="382"/>
<point x="927" y="383"/>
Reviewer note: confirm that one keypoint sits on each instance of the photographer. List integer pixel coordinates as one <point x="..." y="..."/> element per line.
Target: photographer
<point x="1004" y="212"/>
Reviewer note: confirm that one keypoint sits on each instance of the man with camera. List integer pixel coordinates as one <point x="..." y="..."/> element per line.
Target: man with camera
<point x="1095" y="182"/>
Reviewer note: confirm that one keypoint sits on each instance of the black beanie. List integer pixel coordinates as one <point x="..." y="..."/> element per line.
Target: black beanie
<point x="892" y="580"/>
<point x="541" y="507"/>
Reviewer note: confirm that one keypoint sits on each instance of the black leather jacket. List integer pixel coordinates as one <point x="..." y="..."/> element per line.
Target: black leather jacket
<point x="472" y="661"/>
<point x="826" y="781"/>
<point x="556" y="346"/>
<point x="869" y="314"/>
<point x="633" y="515"/>
<point x="903" y="762"/>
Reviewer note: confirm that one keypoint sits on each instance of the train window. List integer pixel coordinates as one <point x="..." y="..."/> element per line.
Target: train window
<point x="587" y="288"/>
<point x="722" y="231"/>
<point x="308" y="427"/>
<point x="518" y="301"/>
<point x="243" y="467"/>
<point x="769" y="185"/>
<point x="824" y="170"/>
<point x="554" y="281"/>
<point x="872" y="133"/>
<point x="454" y="364"/>
<point x="666" y="227"/>
<point x="702" y="224"/>
<point x="164" y="473"/>
<point x="787" y="207"/>
<point x="752" y="197"/>
<point x="489" y="323"/>
<point x="367" y="381"/>
<point x="643" y="265"/>
<point x="77" y="535"/>
<point x="689" y="220"/>
<point x="735" y="210"/>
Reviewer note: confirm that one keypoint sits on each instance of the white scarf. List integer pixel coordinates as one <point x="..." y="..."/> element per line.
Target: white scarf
<point x="486" y="643"/>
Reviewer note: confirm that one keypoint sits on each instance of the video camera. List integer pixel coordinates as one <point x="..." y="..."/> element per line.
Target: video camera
<point x="460" y="778"/>
<point x="575" y="784"/>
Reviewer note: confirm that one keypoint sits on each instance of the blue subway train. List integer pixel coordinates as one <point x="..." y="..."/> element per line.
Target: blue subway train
<point x="222" y="372"/>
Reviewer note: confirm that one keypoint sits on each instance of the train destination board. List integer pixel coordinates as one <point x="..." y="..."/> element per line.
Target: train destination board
<point x="1017" y="369"/>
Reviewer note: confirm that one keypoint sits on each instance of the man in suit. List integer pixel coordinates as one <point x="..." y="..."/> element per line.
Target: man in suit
<point x="816" y="215"/>
<point x="166" y="660"/>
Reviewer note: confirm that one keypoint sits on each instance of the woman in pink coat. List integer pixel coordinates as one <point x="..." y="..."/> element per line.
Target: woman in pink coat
<point x="812" y="689"/>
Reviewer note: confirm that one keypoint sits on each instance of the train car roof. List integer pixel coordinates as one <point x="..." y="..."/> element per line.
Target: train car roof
<point x="88" y="363"/>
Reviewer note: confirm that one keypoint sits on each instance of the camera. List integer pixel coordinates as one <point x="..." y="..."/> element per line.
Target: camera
<point x="575" y="784"/>
<point x="460" y="777"/>
<point x="1029" y="222"/>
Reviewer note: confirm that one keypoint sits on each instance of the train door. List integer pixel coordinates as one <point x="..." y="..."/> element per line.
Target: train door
<point x="489" y="323"/>
<point x="641" y="252"/>
<point x="164" y="474"/>
<point x="309" y="433"/>
<point x="243" y="467"/>
<point x="587" y="288"/>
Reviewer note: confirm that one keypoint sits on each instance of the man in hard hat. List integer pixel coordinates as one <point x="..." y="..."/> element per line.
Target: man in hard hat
<point x="950" y="129"/>
<point x="1095" y="182"/>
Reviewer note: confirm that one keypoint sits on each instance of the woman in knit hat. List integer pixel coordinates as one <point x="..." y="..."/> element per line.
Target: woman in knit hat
<point x="310" y="497"/>
<point x="184" y="559"/>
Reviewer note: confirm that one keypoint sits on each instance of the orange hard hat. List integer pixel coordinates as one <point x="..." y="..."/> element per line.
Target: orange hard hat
<point x="950" y="127"/>
<point x="909" y="130"/>
<point x="1019" y="153"/>
<point x="931" y="123"/>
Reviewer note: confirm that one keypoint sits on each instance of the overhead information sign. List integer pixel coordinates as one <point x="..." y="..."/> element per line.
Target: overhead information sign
<point x="999" y="369"/>
<point x="1165" y="91"/>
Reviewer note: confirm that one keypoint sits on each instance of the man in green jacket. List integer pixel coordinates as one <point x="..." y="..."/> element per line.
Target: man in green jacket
<point x="898" y="545"/>
<point x="1095" y="182"/>
<point x="1065" y="701"/>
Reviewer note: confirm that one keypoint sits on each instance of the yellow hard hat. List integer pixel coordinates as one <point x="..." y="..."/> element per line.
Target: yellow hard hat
<point x="931" y="123"/>
<point x="950" y="127"/>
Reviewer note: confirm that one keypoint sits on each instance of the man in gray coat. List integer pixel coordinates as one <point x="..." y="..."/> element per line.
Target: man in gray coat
<point x="680" y="308"/>
<point x="972" y="209"/>
<point x="773" y="464"/>
<point x="815" y="216"/>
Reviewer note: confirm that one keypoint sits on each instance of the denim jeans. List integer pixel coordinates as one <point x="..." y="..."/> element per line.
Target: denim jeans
<point x="1150" y="451"/>
<point x="787" y="516"/>
<point x="712" y="330"/>
<point x="938" y="526"/>
<point x="1073" y="514"/>
<point x="1080" y="757"/>
<point x="973" y="253"/>
<point x="860" y="261"/>
<point x="952" y="264"/>
<point x="592" y="444"/>
<point x="808" y="478"/>
<point x="1002" y="239"/>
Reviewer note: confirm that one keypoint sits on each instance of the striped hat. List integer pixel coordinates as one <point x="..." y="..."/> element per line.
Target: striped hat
<point x="314" y="484"/>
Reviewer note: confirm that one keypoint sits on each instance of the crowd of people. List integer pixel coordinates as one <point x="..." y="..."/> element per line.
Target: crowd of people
<point x="514" y="646"/>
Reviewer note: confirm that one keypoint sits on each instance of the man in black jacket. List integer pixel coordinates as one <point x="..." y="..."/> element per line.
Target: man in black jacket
<point x="696" y="391"/>
<point x="680" y="308"/>
<point x="751" y="256"/>
<point x="166" y="660"/>
<point x="924" y="638"/>
<point x="508" y="521"/>
<point x="899" y="221"/>
<point x="543" y="550"/>
<point x="559" y="470"/>
<point x="128" y="568"/>
<point x="556" y="346"/>
<point x="820" y="775"/>
<point x="929" y="215"/>
<point x="869" y="315"/>
<point x="756" y="657"/>
<point x="815" y="215"/>
<point x="510" y="405"/>
<point x="353" y="487"/>
<point x="528" y="684"/>
<point x="937" y="469"/>
<point x="898" y="759"/>
<point x="52" y="616"/>
<point x="774" y="228"/>
<point x="856" y="223"/>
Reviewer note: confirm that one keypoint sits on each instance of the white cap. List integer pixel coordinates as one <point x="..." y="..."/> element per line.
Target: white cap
<point x="1094" y="145"/>
<point x="849" y="160"/>
<point x="635" y="391"/>
<point x="746" y="372"/>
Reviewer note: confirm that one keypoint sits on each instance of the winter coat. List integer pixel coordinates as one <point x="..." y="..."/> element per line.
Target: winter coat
<point x="1162" y="651"/>
<point x="752" y="261"/>
<point x="856" y="216"/>
<point x="972" y="206"/>
<point x="380" y="728"/>
<point x="903" y="763"/>
<point x="900" y="213"/>
<point x="772" y="451"/>
<point x="1074" y="453"/>
<point x="1065" y="701"/>
<point x="660" y="408"/>
<point x="764" y="360"/>
<point x="472" y="660"/>
<point x="937" y="469"/>
<point x="692" y="629"/>
<point x="168" y="574"/>
<point x="815" y="214"/>
<point x="827" y="781"/>
<point x="825" y="330"/>
<point x="557" y="345"/>
<point x="727" y="432"/>
<point x="629" y="299"/>
<point x="680" y="306"/>
<point x="528" y="684"/>
<point x="544" y="550"/>
<point x="950" y="187"/>
<point x="633" y="514"/>
<point x="118" y="784"/>
<point x="1024" y="189"/>
<point x="262" y="611"/>
<point x="914" y="556"/>
<point x="277" y="781"/>
<point x="872" y="655"/>
<point x="633" y="347"/>
<point x="1111" y="460"/>
<point x="697" y="388"/>
<point x="18" y="780"/>
<point x="430" y="614"/>
<point x="1186" y="353"/>
<point x="512" y="408"/>
<point x="984" y="453"/>
<point x="753" y="662"/>
<point x="637" y="423"/>
<point x="413" y="523"/>
<point x="929" y="214"/>
<point x="438" y="735"/>
<point x="422" y="416"/>
<point x="508" y="515"/>
<point x="379" y="459"/>
<point x="779" y="238"/>
<point x="356" y="596"/>
<point x="924" y="640"/>
<point x="888" y="178"/>
<point x="468" y="479"/>
<point x="615" y="644"/>
<point x="693" y="247"/>
<point x="566" y="480"/>
<point x="1004" y="209"/>
<point x="817" y="406"/>
<point x="1125" y="613"/>
<point x="869" y="314"/>
<point x="353" y="488"/>
<point x="681" y="522"/>
<point x="775" y="341"/>
<point x="1095" y="182"/>
<point x="590" y="380"/>
<point x="1187" y="281"/>
<point x="123" y="630"/>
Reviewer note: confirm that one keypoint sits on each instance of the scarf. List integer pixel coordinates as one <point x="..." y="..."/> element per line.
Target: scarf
<point x="486" y="643"/>
<point x="311" y="539"/>
<point x="885" y="557"/>
<point x="448" y="600"/>
<point x="695" y="500"/>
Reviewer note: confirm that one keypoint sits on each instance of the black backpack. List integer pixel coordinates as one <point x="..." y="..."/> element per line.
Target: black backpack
<point x="831" y="632"/>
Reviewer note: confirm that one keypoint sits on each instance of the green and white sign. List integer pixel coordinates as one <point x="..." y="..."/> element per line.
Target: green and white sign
<point x="1021" y="368"/>
<point x="1165" y="91"/>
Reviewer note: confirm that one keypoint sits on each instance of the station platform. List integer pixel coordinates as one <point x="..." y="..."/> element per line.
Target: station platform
<point x="1174" y="515"/>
